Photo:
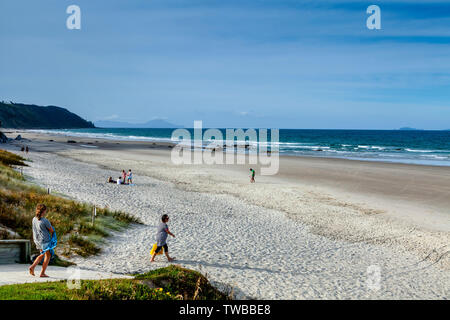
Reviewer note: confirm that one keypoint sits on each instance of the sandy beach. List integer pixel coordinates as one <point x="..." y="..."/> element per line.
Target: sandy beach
<point x="313" y="231"/>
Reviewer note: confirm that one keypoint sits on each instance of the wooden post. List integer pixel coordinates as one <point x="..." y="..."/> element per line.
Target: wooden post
<point x="94" y="214"/>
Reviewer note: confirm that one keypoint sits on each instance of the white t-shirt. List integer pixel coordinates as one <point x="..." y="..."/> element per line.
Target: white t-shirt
<point x="119" y="181"/>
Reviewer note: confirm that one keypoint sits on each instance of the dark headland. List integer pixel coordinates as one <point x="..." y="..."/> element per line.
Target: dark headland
<point x="29" y="116"/>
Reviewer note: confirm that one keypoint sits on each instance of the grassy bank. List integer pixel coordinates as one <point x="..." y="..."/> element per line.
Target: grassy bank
<point x="71" y="219"/>
<point x="170" y="283"/>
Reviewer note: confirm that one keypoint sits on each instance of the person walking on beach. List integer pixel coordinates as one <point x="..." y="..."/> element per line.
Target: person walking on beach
<point x="42" y="234"/>
<point x="252" y="179"/>
<point x="161" y="237"/>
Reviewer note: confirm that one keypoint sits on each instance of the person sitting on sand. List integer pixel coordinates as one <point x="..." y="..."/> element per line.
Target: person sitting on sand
<point x="119" y="181"/>
<point x="130" y="177"/>
<point x="252" y="179"/>
<point x="161" y="237"/>
<point x="42" y="234"/>
<point x="124" y="177"/>
<point x="110" y="180"/>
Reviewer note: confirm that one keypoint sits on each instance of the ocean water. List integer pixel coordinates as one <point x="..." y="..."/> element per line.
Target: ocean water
<point x="415" y="147"/>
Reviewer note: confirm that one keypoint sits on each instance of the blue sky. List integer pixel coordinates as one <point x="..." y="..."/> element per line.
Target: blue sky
<point x="233" y="63"/>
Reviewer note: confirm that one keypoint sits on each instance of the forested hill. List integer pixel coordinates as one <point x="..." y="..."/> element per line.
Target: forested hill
<point x="28" y="116"/>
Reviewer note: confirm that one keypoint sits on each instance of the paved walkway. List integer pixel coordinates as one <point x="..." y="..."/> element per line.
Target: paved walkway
<point x="18" y="273"/>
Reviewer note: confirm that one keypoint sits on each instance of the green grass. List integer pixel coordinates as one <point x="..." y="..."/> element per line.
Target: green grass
<point x="71" y="219"/>
<point x="189" y="284"/>
<point x="170" y="283"/>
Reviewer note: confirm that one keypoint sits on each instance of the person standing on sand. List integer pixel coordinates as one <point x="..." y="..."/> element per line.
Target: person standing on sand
<point x="124" y="177"/>
<point x="42" y="234"/>
<point x="161" y="238"/>
<point x="130" y="177"/>
<point x="252" y="179"/>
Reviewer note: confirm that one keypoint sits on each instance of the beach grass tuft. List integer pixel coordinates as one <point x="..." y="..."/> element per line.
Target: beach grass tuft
<point x="11" y="159"/>
<point x="187" y="284"/>
<point x="82" y="246"/>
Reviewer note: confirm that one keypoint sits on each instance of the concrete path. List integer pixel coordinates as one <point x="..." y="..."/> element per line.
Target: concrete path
<point x="18" y="273"/>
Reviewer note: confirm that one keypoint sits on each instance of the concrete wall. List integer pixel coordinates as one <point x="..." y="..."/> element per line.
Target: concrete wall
<point x="14" y="251"/>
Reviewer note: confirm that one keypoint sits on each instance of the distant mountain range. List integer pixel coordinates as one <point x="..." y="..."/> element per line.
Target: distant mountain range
<point x="157" y="123"/>
<point x="30" y="116"/>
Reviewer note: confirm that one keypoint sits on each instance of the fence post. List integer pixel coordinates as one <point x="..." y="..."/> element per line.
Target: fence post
<point x="94" y="214"/>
